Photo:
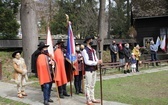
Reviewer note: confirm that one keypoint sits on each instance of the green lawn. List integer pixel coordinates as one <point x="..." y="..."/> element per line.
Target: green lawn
<point x="5" y="101"/>
<point x="145" y="89"/>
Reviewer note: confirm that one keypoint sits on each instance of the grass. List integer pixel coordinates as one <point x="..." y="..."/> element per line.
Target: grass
<point x="146" y="89"/>
<point x="5" y="101"/>
<point x="7" y="67"/>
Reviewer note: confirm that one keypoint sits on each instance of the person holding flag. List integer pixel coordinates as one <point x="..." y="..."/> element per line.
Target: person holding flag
<point x="71" y="58"/>
<point x="45" y="70"/>
<point x="91" y="61"/>
<point x="61" y="73"/>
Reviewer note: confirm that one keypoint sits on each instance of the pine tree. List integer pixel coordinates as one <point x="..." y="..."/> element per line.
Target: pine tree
<point x="8" y="23"/>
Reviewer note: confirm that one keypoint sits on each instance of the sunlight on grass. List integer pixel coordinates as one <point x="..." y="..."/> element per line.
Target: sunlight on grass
<point x="4" y="101"/>
<point x="146" y="89"/>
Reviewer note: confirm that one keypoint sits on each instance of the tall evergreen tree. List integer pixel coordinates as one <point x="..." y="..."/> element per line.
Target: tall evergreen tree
<point x="83" y="15"/>
<point x="119" y="19"/>
<point x="8" y="23"/>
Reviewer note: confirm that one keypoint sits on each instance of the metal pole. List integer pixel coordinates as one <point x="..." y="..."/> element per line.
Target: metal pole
<point x="101" y="92"/>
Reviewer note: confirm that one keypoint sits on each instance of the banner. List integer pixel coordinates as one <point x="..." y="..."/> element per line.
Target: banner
<point x="163" y="43"/>
<point x="70" y="53"/>
<point x="50" y="43"/>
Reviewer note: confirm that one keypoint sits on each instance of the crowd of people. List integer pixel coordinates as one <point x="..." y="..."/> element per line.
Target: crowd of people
<point x="55" y="69"/>
<point x="127" y="57"/>
<point x="130" y="58"/>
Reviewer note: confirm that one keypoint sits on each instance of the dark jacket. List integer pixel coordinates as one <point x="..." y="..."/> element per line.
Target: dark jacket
<point x="127" y="53"/>
<point x="34" y="59"/>
<point x="113" y="48"/>
<point x="121" y="53"/>
<point x="133" y="60"/>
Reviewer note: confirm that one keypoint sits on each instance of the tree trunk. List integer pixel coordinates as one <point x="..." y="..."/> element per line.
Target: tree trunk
<point x="29" y="30"/>
<point x="128" y="14"/>
<point x="101" y="31"/>
<point x="109" y="19"/>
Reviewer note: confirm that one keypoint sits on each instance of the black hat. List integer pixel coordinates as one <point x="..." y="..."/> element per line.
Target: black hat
<point x="42" y="45"/>
<point x="60" y="41"/>
<point x="88" y="38"/>
<point x="14" y="53"/>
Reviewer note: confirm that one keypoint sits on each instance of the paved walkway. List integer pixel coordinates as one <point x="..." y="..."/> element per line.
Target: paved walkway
<point x="35" y="96"/>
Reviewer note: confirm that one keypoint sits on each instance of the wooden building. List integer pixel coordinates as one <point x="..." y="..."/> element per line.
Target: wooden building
<point x="150" y="19"/>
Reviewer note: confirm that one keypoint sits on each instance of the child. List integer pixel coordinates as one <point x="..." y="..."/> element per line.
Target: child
<point x="133" y="63"/>
<point x="20" y="73"/>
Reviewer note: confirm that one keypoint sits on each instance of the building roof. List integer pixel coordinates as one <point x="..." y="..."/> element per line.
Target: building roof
<point x="149" y="8"/>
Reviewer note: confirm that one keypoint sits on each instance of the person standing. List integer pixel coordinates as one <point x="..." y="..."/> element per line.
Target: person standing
<point x="45" y="71"/>
<point x="113" y="51"/>
<point x="61" y="73"/>
<point x="34" y="57"/>
<point x="78" y="72"/>
<point x="153" y="51"/>
<point x="20" y="73"/>
<point x="133" y="63"/>
<point x="137" y="55"/>
<point x="91" y="61"/>
<point x="121" y="54"/>
<point x="127" y="53"/>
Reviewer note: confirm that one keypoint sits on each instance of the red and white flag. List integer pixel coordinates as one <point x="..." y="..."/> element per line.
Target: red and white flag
<point x="163" y="43"/>
<point x="50" y="43"/>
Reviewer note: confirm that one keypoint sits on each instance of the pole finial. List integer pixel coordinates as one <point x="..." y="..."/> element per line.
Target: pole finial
<point x="67" y="18"/>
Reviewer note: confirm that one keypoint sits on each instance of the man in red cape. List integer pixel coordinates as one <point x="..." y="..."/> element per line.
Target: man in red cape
<point x="61" y="73"/>
<point x="45" y="71"/>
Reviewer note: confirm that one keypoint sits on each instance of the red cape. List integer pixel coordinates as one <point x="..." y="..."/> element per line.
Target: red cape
<point x="61" y="77"/>
<point x="43" y="69"/>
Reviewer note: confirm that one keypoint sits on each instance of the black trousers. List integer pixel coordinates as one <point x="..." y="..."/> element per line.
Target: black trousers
<point x="113" y="57"/>
<point x="137" y="64"/>
<point x="78" y="82"/>
<point x="62" y="90"/>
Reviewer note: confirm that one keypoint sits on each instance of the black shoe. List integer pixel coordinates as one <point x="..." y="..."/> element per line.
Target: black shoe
<point x="50" y="100"/>
<point x="128" y="71"/>
<point x="77" y="92"/>
<point x="61" y="96"/>
<point x="66" y="95"/>
<point x="81" y="92"/>
<point x="125" y="72"/>
<point x="46" y="103"/>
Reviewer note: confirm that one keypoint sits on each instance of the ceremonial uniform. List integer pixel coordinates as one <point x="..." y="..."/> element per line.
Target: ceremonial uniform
<point x="61" y="73"/>
<point x="45" y="70"/>
<point x="91" y="62"/>
<point x="20" y="73"/>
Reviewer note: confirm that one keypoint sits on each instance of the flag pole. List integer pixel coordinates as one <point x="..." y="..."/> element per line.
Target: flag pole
<point x="101" y="92"/>
<point x="67" y="18"/>
<point x="71" y="78"/>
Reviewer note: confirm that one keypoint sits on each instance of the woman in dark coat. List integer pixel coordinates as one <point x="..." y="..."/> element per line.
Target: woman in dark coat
<point x="127" y="53"/>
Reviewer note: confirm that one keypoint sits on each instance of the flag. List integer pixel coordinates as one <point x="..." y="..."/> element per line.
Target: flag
<point x="158" y="42"/>
<point x="50" y="43"/>
<point x="163" y="43"/>
<point x="70" y="53"/>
